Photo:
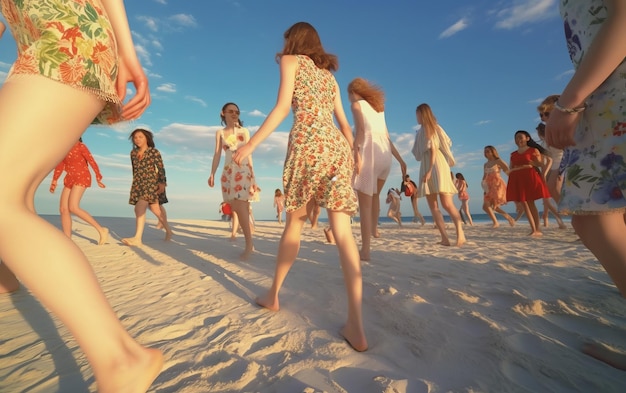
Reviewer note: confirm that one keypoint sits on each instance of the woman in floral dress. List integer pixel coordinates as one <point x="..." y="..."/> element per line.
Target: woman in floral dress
<point x="494" y="186"/>
<point x="318" y="166"/>
<point x="238" y="184"/>
<point x="74" y="60"/>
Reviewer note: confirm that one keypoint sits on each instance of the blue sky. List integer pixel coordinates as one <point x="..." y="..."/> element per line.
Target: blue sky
<point x="483" y="67"/>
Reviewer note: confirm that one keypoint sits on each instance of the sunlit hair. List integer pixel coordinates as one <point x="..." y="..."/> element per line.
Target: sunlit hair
<point x="493" y="151"/>
<point x="548" y="104"/>
<point x="459" y="175"/>
<point x="541" y="130"/>
<point x="428" y="120"/>
<point x="302" y="39"/>
<point x="148" y="134"/>
<point x="278" y="192"/>
<point x="224" y="117"/>
<point x="373" y="94"/>
<point x="531" y="142"/>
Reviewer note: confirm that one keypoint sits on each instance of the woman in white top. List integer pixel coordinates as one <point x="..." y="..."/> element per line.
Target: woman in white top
<point x="372" y="155"/>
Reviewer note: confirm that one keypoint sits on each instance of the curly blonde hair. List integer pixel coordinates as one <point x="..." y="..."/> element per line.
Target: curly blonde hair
<point x="373" y="94"/>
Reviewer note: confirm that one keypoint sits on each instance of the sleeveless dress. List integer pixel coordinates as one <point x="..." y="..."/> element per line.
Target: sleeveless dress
<point x="319" y="163"/>
<point x="440" y="180"/>
<point x="375" y="152"/>
<point x="461" y="185"/>
<point x="148" y="172"/>
<point x="238" y="180"/>
<point x="76" y="164"/>
<point x="594" y="171"/>
<point x="525" y="184"/>
<point x="71" y="42"/>
<point x="494" y="186"/>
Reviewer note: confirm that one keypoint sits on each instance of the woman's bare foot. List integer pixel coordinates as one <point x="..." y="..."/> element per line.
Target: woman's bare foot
<point x="104" y="236"/>
<point x="495" y="225"/>
<point x="168" y="235"/>
<point x="131" y="241"/>
<point x="444" y="243"/>
<point x="133" y="376"/>
<point x="511" y="221"/>
<point x="245" y="255"/>
<point x="233" y="238"/>
<point x="376" y="234"/>
<point x="269" y="302"/>
<point x="536" y="233"/>
<point x="606" y="355"/>
<point x="365" y="256"/>
<point x="355" y="337"/>
<point x="461" y="241"/>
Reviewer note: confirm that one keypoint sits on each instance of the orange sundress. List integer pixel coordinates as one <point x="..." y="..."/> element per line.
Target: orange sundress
<point x="76" y="164"/>
<point x="71" y="42"/>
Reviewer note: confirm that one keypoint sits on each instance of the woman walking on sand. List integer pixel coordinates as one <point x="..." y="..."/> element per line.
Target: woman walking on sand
<point x="494" y="186"/>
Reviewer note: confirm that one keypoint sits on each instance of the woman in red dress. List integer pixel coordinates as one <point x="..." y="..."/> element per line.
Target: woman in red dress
<point x="77" y="180"/>
<point x="526" y="184"/>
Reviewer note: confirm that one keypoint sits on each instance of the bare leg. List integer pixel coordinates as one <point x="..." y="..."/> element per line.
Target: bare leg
<point x="533" y="217"/>
<point x="64" y="211"/>
<point x="160" y="213"/>
<point x="234" y="221"/>
<point x="8" y="281"/>
<point x="367" y="222"/>
<point x="416" y="213"/>
<point x="487" y="209"/>
<point x="313" y="212"/>
<point x="288" y="249"/>
<point x="140" y="222"/>
<point x="76" y="194"/>
<point x="433" y="204"/>
<point x="549" y="207"/>
<point x="28" y="243"/>
<point x="353" y="330"/>
<point x="242" y="209"/>
<point x="603" y="235"/>
<point x="465" y="207"/>
<point x="448" y="204"/>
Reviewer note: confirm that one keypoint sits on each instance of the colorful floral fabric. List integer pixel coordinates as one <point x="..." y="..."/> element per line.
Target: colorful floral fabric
<point x="319" y="164"/>
<point x="148" y="173"/>
<point x="76" y="164"/>
<point x="237" y="180"/>
<point x="71" y="42"/>
<point x="594" y="170"/>
<point x="494" y="186"/>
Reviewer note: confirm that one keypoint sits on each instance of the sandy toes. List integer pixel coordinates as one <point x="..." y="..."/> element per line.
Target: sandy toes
<point x="356" y="339"/>
<point x="246" y="254"/>
<point x="268" y="302"/>
<point x="134" y="378"/>
<point x="104" y="236"/>
<point x="131" y="241"/>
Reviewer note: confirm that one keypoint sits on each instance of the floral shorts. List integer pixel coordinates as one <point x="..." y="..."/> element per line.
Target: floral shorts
<point x="71" y="42"/>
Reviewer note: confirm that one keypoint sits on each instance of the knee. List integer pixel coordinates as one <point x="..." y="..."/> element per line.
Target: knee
<point x="64" y="210"/>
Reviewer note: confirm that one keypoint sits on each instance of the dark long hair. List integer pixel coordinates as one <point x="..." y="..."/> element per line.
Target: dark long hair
<point x="531" y="143"/>
<point x="148" y="134"/>
<point x="224" y="117"/>
<point x="302" y="39"/>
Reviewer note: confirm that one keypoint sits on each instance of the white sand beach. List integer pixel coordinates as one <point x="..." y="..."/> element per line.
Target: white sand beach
<point x="503" y="313"/>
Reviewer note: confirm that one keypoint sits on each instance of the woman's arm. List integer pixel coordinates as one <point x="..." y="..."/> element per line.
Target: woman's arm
<point x="340" y="117"/>
<point x="288" y="67"/>
<point x="431" y="161"/>
<point x="130" y="69"/>
<point x="603" y="56"/>
<point x="359" y="127"/>
<point x="217" y="156"/>
<point x="396" y="154"/>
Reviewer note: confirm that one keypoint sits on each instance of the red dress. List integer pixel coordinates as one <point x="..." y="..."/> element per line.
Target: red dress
<point x="76" y="164"/>
<point x="525" y="184"/>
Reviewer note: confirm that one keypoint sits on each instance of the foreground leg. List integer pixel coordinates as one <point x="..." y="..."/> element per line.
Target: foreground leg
<point x="533" y="218"/>
<point x="433" y="204"/>
<point x="353" y="330"/>
<point x="64" y="212"/>
<point x="366" y="220"/>
<point x="140" y="222"/>
<point x="8" y="281"/>
<point x="28" y="243"/>
<point x="288" y="249"/>
<point x="448" y="204"/>
<point x="603" y="235"/>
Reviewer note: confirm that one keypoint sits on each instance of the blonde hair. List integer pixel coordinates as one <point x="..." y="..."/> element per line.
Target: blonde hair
<point x="548" y="103"/>
<point x="373" y="94"/>
<point x="428" y="120"/>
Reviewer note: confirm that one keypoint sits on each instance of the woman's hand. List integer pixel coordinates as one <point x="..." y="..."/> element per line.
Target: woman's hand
<point x="242" y="153"/>
<point x="426" y="177"/>
<point x="100" y="184"/>
<point x="358" y="162"/>
<point x="560" y="129"/>
<point x="211" y="180"/>
<point x="161" y="188"/>
<point x="53" y="186"/>
<point x="131" y="71"/>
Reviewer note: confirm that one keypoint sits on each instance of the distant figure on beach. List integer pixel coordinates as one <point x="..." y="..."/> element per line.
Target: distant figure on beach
<point x="554" y="179"/>
<point x="549" y="164"/>
<point x="393" y="200"/>
<point x="372" y="155"/>
<point x="226" y="211"/>
<point x="148" y="187"/>
<point x="463" y="195"/>
<point x="410" y="189"/>
<point x="77" y="180"/>
<point x="590" y="125"/>
<point x="279" y="204"/>
<point x="494" y="187"/>
<point x="526" y="184"/>
<point x="238" y="182"/>
<point x="313" y="214"/>
<point x="432" y="148"/>
<point x="309" y="87"/>
<point x="52" y="93"/>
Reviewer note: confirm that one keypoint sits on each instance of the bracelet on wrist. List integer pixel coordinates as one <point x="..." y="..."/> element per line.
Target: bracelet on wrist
<point x="571" y="111"/>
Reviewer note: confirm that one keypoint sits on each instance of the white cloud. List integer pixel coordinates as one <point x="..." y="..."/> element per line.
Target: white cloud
<point x="183" y="20"/>
<point x="462" y="24"/>
<point x="256" y="113"/>
<point x="160" y="1"/>
<point x="143" y="54"/>
<point x="526" y="11"/>
<point x="565" y="74"/>
<point x="482" y="122"/>
<point x="196" y="99"/>
<point x="150" y="22"/>
<point x="167" y="88"/>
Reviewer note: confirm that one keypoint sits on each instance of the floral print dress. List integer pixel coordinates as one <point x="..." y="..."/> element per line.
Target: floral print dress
<point x="494" y="186"/>
<point x="319" y="164"/>
<point x="594" y="171"/>
<point x="148" y="173"/>
<point x="237" y="180"/>
<point x="71" y="42"/>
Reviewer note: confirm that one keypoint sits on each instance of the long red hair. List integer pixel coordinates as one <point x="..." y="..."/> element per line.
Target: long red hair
<point x="302" y="39"/>
<point x="374" y="95"/>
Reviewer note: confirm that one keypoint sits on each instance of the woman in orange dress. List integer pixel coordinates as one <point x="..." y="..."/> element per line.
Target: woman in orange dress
<point x="77" y="180"/>
<point x="494" y="187"/>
